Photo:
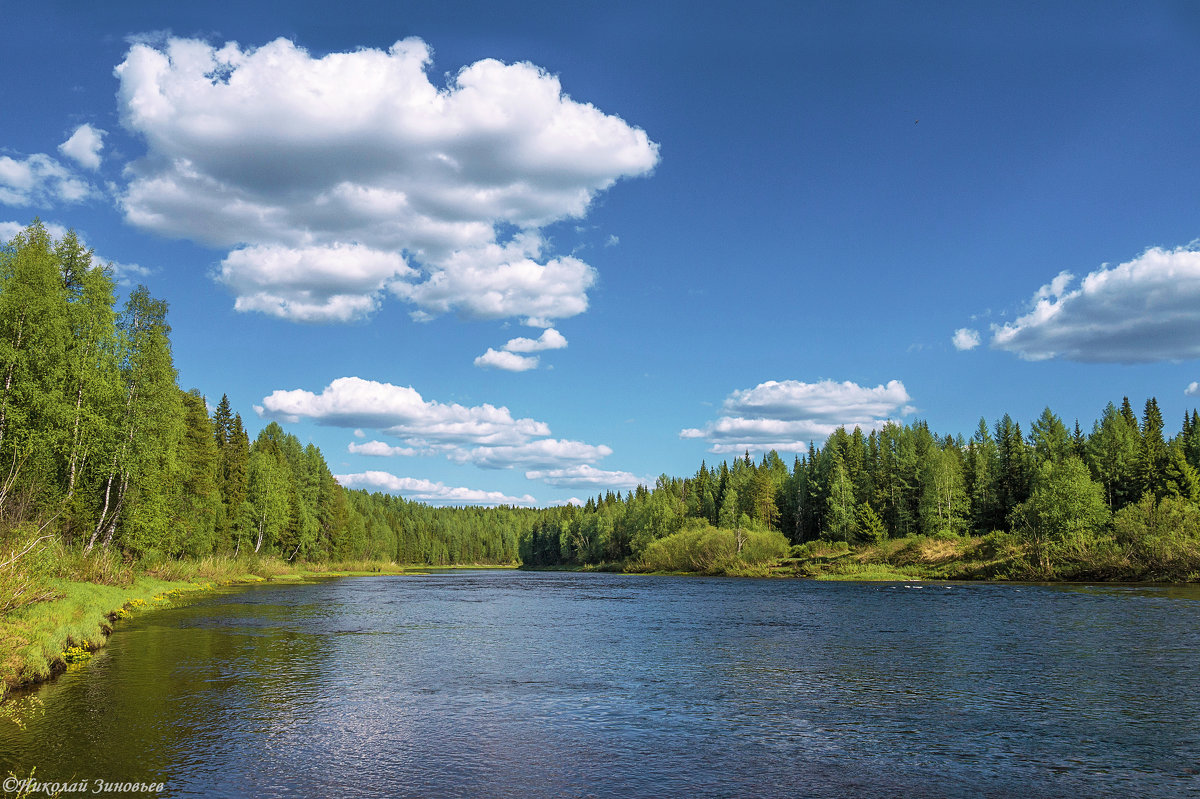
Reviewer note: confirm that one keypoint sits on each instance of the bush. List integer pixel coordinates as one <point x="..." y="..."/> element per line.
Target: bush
<point x="1161" y="536"/>
<point x="819" y="549"/>
<point x="709" y="550"/>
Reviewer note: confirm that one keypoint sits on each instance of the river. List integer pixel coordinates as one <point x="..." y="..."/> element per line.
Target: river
<point x="517" y="684"/>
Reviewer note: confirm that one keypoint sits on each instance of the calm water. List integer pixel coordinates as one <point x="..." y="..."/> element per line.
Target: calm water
<point x="546" y="684"/>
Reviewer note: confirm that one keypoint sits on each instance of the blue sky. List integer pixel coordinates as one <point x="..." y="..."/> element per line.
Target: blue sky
<point x="524" y="252"/>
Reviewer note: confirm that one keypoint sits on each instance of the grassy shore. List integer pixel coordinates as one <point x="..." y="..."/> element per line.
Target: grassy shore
<point x="70" y="602"/>
<point x="996" y="556"/>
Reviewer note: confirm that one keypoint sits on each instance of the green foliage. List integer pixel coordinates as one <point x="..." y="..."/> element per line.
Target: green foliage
<point x="1065" y="511"/>
<point x="705" y="549"/>
<point x="101" y="451"/>
<point x="1162" y="536"/>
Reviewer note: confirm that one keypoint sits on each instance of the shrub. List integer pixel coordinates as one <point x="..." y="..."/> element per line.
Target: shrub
<point x="710" y="550"/>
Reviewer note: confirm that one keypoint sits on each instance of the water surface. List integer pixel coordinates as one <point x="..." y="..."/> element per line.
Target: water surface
<point x="518" y="684"/>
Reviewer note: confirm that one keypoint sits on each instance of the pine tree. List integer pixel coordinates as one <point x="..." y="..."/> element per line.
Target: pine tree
<point x="982" y="465"/>
<point x="1153" y="457"/>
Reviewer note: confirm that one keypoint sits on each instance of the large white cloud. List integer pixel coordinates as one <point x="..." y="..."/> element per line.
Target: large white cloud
<point x="274" y="148"/>
<point x="84" y="146"/>
<point x="429" y="491"/>
<point x="1144" y="310"/>
<point x="787" y="415"/>
<point x="484" y="435"/>
<point x="41" y="181"/>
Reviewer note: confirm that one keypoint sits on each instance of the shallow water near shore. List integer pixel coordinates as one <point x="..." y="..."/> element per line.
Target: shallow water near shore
<point x="583" y="684"/>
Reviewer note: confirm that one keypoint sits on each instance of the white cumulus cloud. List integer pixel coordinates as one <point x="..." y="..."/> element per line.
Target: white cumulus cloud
<point x="379" y="449"/>
<point x="1141" y="311"/>
<point x="429" y="491"/>
<point x="508" y="361"/>
<point x="786" y="415"/>
<point x="550" y="339"/>
<point x="541" y="453"/>
<point x="484" y="435"/>
<point x="84" y="146"/>
<point x="271" y="149"/>
<point x="1193" y="389"/>
<point x="401" y="411"/>
<point x="336" y="283"/>
<point x="965" y="339"/>
<point x="42" y="181"/>
<point x="587" y="476"/>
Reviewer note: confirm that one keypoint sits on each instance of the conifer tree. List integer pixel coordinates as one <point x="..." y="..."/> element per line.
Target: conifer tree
<point x="1153" y="455"/>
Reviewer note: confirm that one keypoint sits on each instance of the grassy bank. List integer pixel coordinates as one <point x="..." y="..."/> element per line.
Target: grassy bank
<point x="996" y="556"/>
<point x="61" y="605"/>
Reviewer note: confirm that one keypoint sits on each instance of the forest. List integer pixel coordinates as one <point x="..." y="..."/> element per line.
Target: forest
<point x="101" y="450"/>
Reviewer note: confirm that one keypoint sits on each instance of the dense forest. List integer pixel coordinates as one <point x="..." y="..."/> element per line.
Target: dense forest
<point x="1124" y="488"/>
<point x="100" y="447"/>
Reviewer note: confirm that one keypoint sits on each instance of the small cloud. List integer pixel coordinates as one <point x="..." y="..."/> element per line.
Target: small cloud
<point x="84" y="146"/>
<point x="1193" y="389"/>
<point x="613" y="241"/>
<point x="550" y="339"/>
<point x="965" y="339"/>
<point x="508" y="361"/>
<point x="40" y="180"/>
<point x="380" y="449"/>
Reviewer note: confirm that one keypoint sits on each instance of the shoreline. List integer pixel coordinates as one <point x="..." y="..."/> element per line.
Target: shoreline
<point x="41" y="640"/>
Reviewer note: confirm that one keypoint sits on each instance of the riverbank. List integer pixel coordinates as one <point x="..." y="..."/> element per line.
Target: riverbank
<point x="997" y="557"/>
<point x="77" y="606"/>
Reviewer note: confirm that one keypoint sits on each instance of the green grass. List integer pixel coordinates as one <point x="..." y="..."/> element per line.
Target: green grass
<point x="34" y="640"/>
<point x="81" y="597"/>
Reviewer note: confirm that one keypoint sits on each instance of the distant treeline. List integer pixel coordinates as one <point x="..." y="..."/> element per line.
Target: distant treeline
<point x="99" y="445"/>
<point x="1122" y="490"/>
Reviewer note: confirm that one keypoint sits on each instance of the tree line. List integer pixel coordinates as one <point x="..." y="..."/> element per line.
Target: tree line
<point x="1123" y="486"/>
<point x="99" y="444"/>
